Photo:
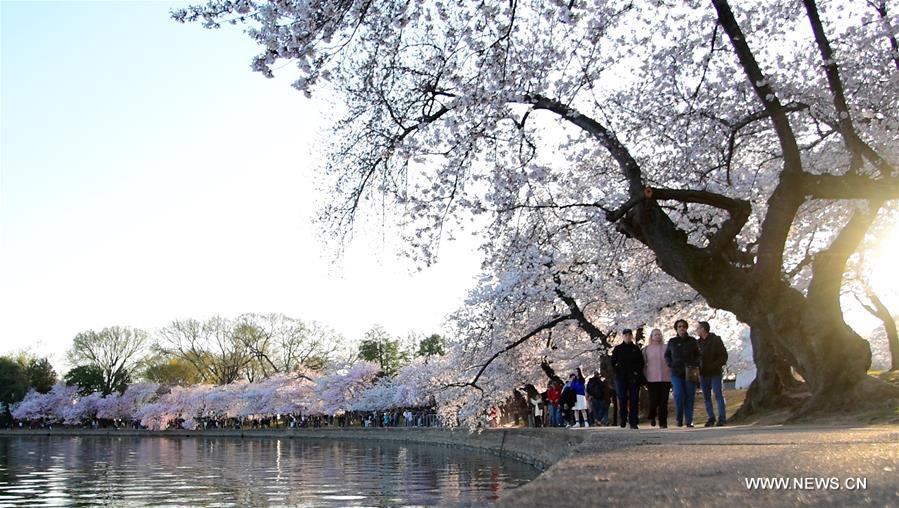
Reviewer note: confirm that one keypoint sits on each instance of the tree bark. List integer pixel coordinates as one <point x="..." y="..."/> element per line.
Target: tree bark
<point x="773" y="378"/>
<point x="809" y="334"/>
<point x="880" y="311"/>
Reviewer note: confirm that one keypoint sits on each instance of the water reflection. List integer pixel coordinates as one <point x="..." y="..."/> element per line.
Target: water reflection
<point x="160" y="471"/>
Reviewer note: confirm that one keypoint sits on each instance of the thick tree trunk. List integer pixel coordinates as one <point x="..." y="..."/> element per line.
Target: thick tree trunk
<point x="773" y="380"/>
<point x="813" y="337"/>
<point x="809" y="334"/>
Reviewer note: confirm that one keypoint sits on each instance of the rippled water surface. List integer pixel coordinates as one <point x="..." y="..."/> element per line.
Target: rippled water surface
<point x="160" y="471"/>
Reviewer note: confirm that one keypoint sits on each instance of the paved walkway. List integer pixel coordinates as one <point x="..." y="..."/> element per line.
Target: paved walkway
<point x="711" y="467"/>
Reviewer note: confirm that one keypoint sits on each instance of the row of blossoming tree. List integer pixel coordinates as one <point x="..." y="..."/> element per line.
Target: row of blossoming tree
<point x="303" y="392"/>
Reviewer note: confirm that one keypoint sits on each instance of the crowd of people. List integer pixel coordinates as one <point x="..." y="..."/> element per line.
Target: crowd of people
<point x="682" y="364"/>
<point x="409" y="417"/>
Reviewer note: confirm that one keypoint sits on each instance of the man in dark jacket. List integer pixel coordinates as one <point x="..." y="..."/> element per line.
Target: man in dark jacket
<point x="682" y="352"/>
<point x="568" y="400"/>
<point x="713" y="357"/>
<point x="598" y="396"/>
<point x="627" y="360"/>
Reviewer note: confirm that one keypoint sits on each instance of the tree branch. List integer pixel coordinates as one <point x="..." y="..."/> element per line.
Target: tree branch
<point x="881" y="8"/>
<point x="881" y="312"/>
<point x="784" y="202"/>
<point x="829" y="265"/>
<point x="578" y="314"/>
<point x="849" y="186"/>
<point x="760" y="85"/>
<point x="622" y="156"/>
<point x="545" y="326"/>
<point x="738" y="211"/>
<point x="844" y="116"/>
<point x="736" y="127"/>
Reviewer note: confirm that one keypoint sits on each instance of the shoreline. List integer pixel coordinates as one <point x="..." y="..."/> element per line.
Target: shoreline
<point x="647" y="467"/>
<point x="538" y="449"/>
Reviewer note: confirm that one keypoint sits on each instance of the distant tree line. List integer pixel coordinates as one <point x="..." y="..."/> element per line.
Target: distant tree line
<point x="19" y="374"/>
<point x="392" y="354"/>
<point x="216" y="351"/>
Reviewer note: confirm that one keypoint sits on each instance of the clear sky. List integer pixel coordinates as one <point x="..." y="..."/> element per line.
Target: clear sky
<point x="147" y="174"/>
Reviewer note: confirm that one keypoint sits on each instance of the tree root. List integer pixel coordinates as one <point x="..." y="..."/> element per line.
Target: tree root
<point x="867" y="395"/>
<point x="797" y="405"/>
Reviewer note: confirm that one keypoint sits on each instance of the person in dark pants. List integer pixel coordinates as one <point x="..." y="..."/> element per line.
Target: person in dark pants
<point x="627" y="360"/>
<point x="658" y="379"/>
<point x="598" y="397"/>
<point x="713" y="357"/>
<point x="568" y="399"/>
<point x="682" y="352"/>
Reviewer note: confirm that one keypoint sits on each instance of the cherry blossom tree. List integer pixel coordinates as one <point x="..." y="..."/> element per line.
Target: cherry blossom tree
<point x="82" y="409"/>
<point x="743" y="148"/>
<point x="337" y="390"/>
<point x="415" y="385"/>
<point x="291" y="393"/>
<point x="48" y="407"/>
<point x="179" y="403"/>
<point x="126" y="405"/>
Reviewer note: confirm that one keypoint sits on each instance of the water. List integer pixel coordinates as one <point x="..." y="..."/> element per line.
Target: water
<point x="163" y="471"/>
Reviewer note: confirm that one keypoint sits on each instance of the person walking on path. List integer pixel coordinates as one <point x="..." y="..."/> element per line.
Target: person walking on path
<point x="627" y="360"/>
<point x="580" y="404"/>
<point x="658" y="379"/>
<point x="713" y="357"/>
<point x="682" y="353"/>
<point x="598" y="397"/>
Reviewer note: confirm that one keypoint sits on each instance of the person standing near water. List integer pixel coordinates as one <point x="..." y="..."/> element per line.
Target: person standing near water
<point x="682" y="352"/>
<point x="627" y="360"/>
<point x="580" y="404"/>
<point x="658" y="379"/>
<point x="598" y="399"/>
<point x="713" y="357"/>
<point x="554" y="400"/>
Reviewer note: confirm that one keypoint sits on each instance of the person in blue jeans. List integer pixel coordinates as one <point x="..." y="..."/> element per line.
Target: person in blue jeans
<point x="553" y="399"/>
<point x="682" y="352"/>
<point x="713" y="357"/>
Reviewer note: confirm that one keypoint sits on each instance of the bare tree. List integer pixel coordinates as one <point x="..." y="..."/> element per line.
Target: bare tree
<point x="866" y="297"/>
<point x="115" y="350"/>
<point x="280" y="343"/>
<point x="252" y="347"/>
<point x="211" y="347"/>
